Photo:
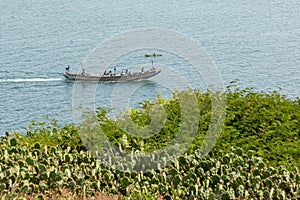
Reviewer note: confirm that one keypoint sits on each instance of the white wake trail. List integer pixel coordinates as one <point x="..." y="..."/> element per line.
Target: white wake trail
<point x="18" y="80"/>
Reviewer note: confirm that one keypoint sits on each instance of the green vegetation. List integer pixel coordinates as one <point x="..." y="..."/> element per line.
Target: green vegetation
<point x="256" y="155"/>
<point x="268" y="124"/>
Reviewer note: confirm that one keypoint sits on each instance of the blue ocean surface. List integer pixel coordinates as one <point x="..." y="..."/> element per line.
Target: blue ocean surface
<point x="256" y="42"/>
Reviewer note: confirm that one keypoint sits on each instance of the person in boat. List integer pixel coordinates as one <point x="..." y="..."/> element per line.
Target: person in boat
<point x="68" y="69"/>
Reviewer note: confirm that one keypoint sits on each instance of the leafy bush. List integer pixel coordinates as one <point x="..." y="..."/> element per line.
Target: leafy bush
<point x="267" y="123"/>
<point x="48" y="134"/>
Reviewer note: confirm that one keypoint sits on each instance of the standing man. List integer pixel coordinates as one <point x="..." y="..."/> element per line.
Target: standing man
<point x="68" y="69"/>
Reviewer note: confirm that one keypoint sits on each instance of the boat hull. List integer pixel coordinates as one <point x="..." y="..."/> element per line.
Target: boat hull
<point x="111" y="78"/>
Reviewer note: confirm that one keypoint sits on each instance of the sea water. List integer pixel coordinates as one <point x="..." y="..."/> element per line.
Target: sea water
<point x="256" y="42"/>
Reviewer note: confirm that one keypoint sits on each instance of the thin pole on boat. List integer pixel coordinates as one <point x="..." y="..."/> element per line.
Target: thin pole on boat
<point x="82" y="67"/>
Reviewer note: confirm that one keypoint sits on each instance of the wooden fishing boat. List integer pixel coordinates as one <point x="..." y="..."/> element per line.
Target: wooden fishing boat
<point x="113" y="76"/>
<point x="127" y="76"/>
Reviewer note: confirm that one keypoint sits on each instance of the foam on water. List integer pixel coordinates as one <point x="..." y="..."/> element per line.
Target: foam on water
<point x="17" y="80"/>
